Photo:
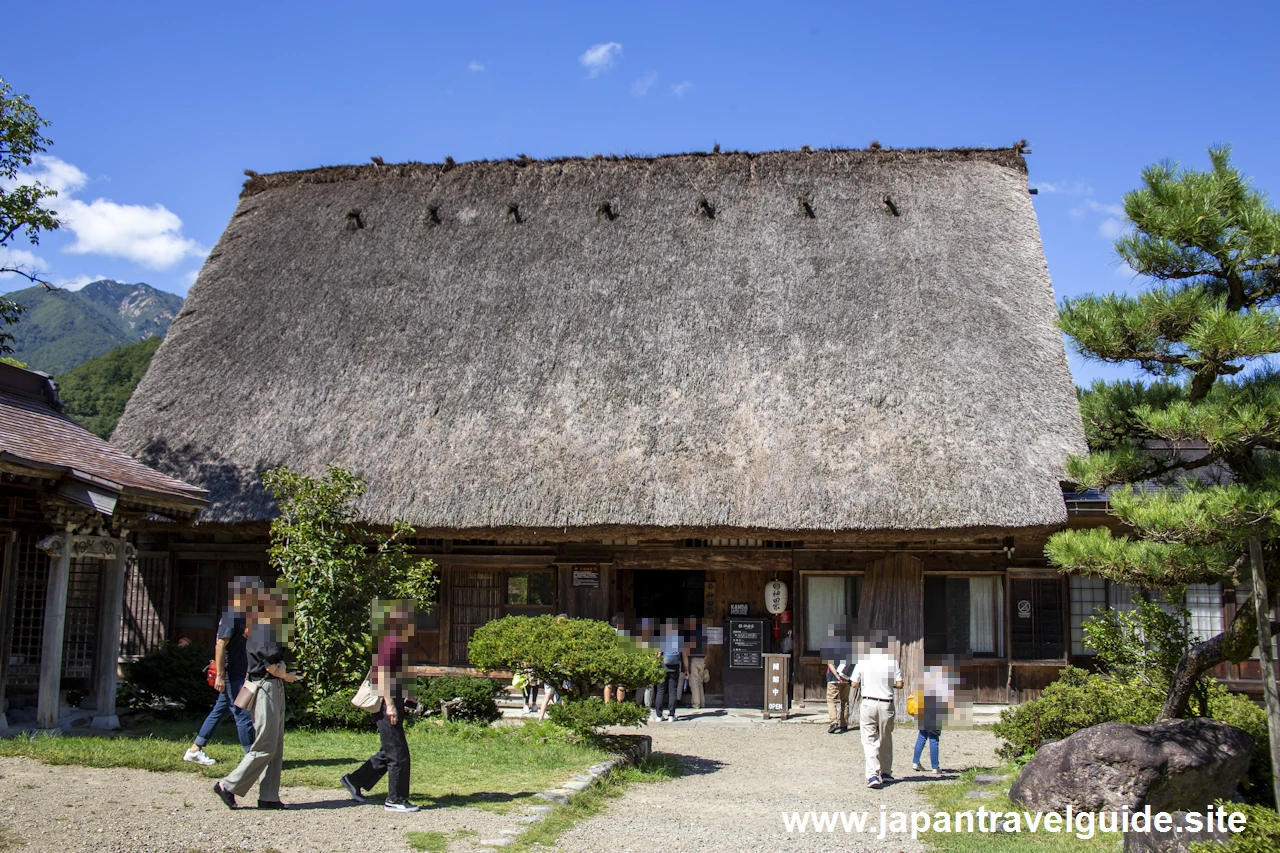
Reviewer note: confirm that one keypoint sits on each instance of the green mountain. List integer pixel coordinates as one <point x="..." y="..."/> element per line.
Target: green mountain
<point x="63" y="328"/>
<point x="94" y="393"/>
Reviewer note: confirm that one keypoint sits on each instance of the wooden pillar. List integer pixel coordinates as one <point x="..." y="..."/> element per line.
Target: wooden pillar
<point x="8" y="587"/>
<point x="893" y="601"/>
<point x="55" y="619"/>
<point x="109" y="612"/>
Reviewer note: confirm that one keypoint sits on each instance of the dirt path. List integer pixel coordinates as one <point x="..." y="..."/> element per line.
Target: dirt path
<point x="739" y="778"/>
<point x="87" y="809"/>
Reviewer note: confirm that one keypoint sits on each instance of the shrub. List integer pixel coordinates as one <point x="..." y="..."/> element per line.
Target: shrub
<point x="477" y="695"/>
<point x="1241" y="712"/>
<point x="171" y="675"/>
<point x="583" y="654"/>
<point x="335" y="568"/>
<point x="585" y="717"/>
<point x="1075" y="701"/>
<point x="1261" y="832"/>
<point x="335" y="711"/>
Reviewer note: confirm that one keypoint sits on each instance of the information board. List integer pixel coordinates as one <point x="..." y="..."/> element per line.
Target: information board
<point x="586" y="576"/>
<point x="746" y="643"/>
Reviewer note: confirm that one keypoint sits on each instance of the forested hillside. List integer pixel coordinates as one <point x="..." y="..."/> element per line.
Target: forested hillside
<point x="95" y="393"/>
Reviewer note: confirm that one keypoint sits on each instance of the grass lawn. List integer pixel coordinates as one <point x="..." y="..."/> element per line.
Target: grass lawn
<point x="453" y="763"/>
<point x="950" y="797"/>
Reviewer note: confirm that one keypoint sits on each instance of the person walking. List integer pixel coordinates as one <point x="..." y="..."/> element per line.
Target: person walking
<point x="675" y="659"/>
<point x="835" y="653"/>
<point x="936" y="698"/>
<point x="878" y="674"/>
<point x="230" y="665"/>
<point x="267" y="675"/>
<point x="393" y="627"/>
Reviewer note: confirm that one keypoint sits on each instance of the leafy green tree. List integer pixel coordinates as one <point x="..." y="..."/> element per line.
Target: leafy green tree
<point x="22" y="207"/>
<point x="334" y="568"/>
<point x="1203" y="329"/>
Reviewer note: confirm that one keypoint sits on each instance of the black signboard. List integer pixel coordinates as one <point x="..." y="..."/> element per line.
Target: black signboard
<point x="746" y="643"/>
<point x="586" y="576"/>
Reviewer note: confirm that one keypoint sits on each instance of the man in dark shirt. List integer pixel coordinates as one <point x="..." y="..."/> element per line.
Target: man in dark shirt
<point x="231" y="665"/>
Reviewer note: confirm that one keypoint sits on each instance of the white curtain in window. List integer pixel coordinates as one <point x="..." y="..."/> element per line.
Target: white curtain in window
<point x="825" y="605"/>
<point x="982" y="616"/>
<point x="1120" y="596"/>
<point x="1204" y="600"/>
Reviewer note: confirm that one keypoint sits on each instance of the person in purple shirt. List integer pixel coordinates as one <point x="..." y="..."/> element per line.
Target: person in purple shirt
<point x="393" y="625"/>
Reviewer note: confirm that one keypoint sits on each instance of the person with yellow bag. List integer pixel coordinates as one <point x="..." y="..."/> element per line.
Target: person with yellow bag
<point x="928" y="704"/>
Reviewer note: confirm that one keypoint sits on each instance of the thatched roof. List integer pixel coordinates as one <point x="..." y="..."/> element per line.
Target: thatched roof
<point x="791" y="341"/>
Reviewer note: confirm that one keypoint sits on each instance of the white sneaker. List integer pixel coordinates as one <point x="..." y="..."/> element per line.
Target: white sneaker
<point x="199" y="757"/>
<point x="403" y="807"/>
<point x="917" y="767"/>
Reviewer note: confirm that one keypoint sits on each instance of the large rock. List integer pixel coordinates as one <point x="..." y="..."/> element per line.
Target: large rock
<point x="1175" y="765"/>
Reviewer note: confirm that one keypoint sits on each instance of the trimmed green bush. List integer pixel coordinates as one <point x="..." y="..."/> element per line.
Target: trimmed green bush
<point x="335" y="711"/>
<point x="585" y="717"/>
<point x="477" y="695"/>
<point x="1261" y="832"/>
<point x="1077" y="700"/>
<point x="172" y="675"/>
<point x="583" y="654"/>
<point x="1241" y="712"/>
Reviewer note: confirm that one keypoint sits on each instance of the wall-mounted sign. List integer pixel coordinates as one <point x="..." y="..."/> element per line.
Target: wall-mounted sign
<point x="746" y="643"/>
<point x="1024" y="609"/>
<point x="715" y="636"/>
<point x="739" y="609"/>
<point x="775" y="597"/>
<point x="586" y="576"/>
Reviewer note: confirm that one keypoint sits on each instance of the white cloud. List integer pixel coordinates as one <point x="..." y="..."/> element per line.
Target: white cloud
<point x="640" y="87"/>
<point x="1112" y="228"/>
<point x="18" y="259"/>
<point x="189" y="278"/>
<point x="151" y="236"/>
<point x="599" y="58"/>
<point x="474" y="66"/>
<point x="680" y="88"/>
<point x="57" y="175"/>
<point x="1068" y="188"/>
<point x="78" y="282"/>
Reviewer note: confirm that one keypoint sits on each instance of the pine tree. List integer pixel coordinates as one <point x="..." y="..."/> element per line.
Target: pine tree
<point x="1205" y="328"/>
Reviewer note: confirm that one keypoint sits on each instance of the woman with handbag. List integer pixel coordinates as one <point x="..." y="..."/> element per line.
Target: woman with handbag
<point x="393" y="625"/>
<point x="263" y="694"/>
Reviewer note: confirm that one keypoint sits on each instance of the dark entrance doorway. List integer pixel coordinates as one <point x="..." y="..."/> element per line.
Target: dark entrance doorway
<point x="675" y="594"/>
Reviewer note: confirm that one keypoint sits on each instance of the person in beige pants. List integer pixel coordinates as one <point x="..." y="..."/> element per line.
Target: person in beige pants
<point x="268" y="673"/>
<point x="878" y="675"/>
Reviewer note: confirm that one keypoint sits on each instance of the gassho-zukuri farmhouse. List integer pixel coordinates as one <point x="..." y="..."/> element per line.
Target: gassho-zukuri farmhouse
<point x="647" y="387"/>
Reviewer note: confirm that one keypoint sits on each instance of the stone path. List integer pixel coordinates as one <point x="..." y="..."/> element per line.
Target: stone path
<point x="741" y="775"/>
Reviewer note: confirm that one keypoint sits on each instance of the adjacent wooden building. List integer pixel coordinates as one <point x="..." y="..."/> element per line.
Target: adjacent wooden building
<point x="72" y="584"/>
<point x="645" y="386"/>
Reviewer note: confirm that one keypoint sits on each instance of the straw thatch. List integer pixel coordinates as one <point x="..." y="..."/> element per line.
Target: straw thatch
<point x="792" y="341"/>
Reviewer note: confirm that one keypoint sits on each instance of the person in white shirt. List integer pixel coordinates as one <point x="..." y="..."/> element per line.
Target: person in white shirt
<point x="877" y="674"/>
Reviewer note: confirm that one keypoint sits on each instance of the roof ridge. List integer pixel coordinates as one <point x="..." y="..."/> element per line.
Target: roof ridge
<point x="256" y="182"/>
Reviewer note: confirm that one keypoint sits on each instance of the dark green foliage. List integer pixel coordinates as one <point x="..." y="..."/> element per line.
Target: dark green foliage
<point x="172" y="674"/>
<point x="585" y="654"/>
<point x="1243" y="713"/>
<point x="64" y="328"/>
<point x="1077" y="700"/>
<point x="335" y="711"/>
<point x="334" y="568"/>
<point x="586" y="717"/>
<point x="1261" y="832"/>
<point x="1143" y="644"/>
<point x="23" y="208"/>
<point x="477" y="695"/>
<point x="95" y="393"/>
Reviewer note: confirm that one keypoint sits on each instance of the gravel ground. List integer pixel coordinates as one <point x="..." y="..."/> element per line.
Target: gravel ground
<point x="83" y="808"/>
<point x="739" y="778"/>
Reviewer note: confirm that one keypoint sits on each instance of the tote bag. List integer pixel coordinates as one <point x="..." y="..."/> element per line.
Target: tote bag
<point x="367" y="698"/>
<point x="248" y="695"/>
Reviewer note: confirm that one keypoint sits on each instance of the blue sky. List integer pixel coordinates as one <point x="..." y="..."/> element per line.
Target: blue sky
<point x="158" y="108"/>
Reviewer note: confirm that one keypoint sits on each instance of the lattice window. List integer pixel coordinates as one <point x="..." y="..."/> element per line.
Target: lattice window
<point x="31" y="579"/>
<point x="80" y="636"/>
<point x="145" y="621"/>
<point x="1088" y="598"/>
